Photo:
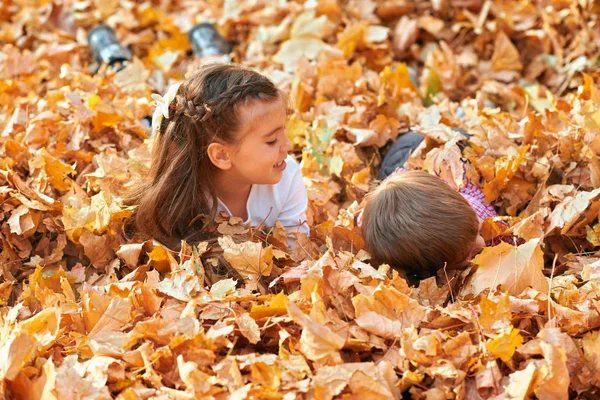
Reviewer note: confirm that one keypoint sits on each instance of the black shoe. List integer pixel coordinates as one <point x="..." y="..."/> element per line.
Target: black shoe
<point x="206" y="41"/>
<point x="105" y="48"/>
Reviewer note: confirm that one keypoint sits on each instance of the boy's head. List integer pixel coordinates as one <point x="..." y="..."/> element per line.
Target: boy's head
<point x="416" y="222"/>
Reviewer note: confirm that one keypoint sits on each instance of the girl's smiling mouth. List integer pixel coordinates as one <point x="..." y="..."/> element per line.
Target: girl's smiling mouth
<point x="280" y="165"/>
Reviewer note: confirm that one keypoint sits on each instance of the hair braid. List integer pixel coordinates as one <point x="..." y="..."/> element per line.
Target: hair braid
<point x="237" y="93"/>
<point x="194" y="111"/>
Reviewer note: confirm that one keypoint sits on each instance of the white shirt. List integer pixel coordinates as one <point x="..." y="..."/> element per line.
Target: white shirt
<point x="285" y="201"/>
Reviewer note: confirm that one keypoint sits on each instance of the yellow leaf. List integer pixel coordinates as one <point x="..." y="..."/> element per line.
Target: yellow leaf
<point x="519" y="385"/>
<point x="14" y="351"/>
<point x="593" y="235"/>
<point x="308" y="24"/>
<point x="393" y="83"/>
<point x="513" y="268"/>
<point x="493" y="313"/>
<point x="504" y="344"/>
<point x="387" y="311"/>
<point x="44" y="326"/>
<point x="275" y="308"/>
<point x="97" y="248"/>
<point x="268" y="376"/>
<point x="24" y="221"/>
<point x="55" y="169"/>
<point x="351" y="37"/>
<point x="223" y="287"/>
<point x="106" y="115"/>
<point x="413" y="376"/>
<point x="590" y="343"/>
<point x="176" y="44"/>
<point x="248" y="328"/>
<point x="162" y="259"/>
<point x="505" y="168"/>
<point x="296" y="130"/>
<point x="446" y="163"/>
<point x="115" y="317"/>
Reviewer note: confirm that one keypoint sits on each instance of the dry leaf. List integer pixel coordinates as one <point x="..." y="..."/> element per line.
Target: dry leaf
<point x="248" y="258"/>
<point x="317" y="341"/>
<point x="248" y="328"/>
<point x="514" y="268"/>
<point x="277" y="306"/>
<point x="505" y="56"/>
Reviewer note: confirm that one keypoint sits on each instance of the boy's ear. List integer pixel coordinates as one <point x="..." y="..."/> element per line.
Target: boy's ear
<point x="219" y="155"/>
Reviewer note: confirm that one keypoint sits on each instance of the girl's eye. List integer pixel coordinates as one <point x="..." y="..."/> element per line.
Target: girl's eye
<point x="272" y="142"/>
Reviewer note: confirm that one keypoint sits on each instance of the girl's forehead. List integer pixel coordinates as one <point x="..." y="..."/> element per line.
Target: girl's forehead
<point x="255" y="110"/>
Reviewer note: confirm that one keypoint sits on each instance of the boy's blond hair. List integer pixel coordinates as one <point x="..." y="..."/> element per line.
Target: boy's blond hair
<point x="415" y="222"/>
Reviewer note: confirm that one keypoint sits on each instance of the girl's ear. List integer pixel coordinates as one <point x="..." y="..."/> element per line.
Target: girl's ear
<point x="219" y="155"/>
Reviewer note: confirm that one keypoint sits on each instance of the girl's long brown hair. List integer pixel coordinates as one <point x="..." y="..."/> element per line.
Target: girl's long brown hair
<point x="180" y="184"/>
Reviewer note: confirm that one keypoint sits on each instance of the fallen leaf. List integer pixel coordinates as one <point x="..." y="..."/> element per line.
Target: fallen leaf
<point x="248" y="328"/>
<point x="248" y="258"/>
<point x="15" y="349"/>
<point x="505" y="343"/>
<point x="316" y="341"/>
<point x="505" y="56"/>
<point x="514" y="268"/>
<point x="520" y="383"/>
<point x="277" y="306"/>
<point x="569" y="214"/>
<point x="223" y="287"/>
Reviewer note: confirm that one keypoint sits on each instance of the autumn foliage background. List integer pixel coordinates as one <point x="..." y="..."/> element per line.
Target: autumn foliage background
<point x="86" y="315"/>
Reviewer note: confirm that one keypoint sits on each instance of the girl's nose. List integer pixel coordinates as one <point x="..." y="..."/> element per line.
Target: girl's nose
<point x="287" y="144"/>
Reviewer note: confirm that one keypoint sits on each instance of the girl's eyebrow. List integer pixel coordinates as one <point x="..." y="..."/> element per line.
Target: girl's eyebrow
<point x="273" y="131"/>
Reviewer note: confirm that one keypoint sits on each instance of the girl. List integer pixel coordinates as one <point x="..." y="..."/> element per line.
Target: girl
<point x="220" y="144"/>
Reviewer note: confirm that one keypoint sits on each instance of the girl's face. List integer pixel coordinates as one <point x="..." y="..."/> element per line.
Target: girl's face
<point x="259" y="155"/>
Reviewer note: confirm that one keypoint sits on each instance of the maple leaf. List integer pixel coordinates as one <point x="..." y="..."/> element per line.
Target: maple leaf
<point x="514" y="268"/>
<point x="277" y="306"/>
<point x="575" y="212"/>
<point x="316" y="341"/>
<point x="248" y="258"/>
<point x="505" y="343"/>
<point x="387" y="312"/>
<point x="505" y="56"/>
<point x="15" y="348"/>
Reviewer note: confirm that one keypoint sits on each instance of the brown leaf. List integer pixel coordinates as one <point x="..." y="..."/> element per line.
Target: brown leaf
<point x="387" y="312"/>
<point x="505" y="56"/>
<point x="575" y="212"/>
<point x="248" y="258"/>
<point x="97" y="248"/>
<point x="248" y="327"/>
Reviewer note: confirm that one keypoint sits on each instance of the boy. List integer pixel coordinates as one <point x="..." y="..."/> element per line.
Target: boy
<point x="417" y="223"/>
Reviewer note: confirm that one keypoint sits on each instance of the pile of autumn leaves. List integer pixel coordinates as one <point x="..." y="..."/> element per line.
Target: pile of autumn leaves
<point x="87" y="315"/>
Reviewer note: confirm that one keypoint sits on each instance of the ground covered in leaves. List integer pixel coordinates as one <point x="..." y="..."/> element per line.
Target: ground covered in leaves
<point x="86" y="315"/>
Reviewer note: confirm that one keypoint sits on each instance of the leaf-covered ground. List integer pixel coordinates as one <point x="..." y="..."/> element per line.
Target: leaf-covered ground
<point x="86" y="315"/>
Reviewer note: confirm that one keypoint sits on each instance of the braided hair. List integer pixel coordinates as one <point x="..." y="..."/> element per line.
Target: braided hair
<point x="180" y="184"/>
